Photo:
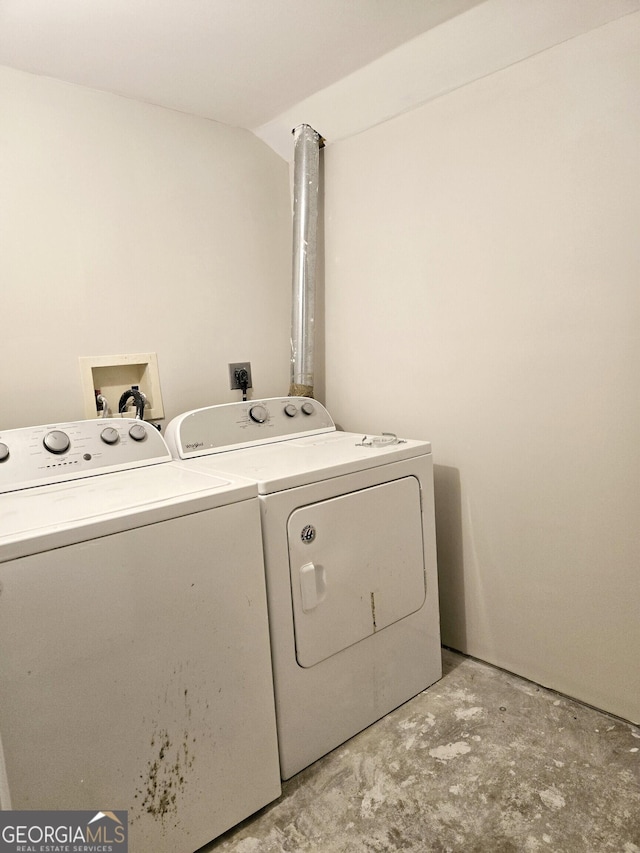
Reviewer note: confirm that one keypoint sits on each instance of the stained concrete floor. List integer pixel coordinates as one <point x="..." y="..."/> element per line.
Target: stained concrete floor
<point x="482" y="762"/>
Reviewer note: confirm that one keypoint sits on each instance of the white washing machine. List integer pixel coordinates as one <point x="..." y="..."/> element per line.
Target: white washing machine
<point x="349" y="544"/>
<point x="135" y="668"/>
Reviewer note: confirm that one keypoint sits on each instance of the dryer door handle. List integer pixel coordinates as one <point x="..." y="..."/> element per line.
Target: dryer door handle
<point x="312" y="586"/>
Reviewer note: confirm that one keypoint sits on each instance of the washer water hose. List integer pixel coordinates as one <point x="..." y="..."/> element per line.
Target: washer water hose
<point x="139" y="400"/>
<point x="103" y="405"/>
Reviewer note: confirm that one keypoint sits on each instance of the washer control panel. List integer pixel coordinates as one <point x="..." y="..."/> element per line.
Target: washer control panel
<point x="234" y="425"/>
<point x="36" y="456"/>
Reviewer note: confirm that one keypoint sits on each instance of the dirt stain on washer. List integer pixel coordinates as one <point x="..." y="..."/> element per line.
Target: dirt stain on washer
<point x="166" y="776"/>
<point x="167" y="773"/>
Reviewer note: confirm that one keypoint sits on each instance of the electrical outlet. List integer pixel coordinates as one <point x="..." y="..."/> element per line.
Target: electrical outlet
<point x="234" y="384"/>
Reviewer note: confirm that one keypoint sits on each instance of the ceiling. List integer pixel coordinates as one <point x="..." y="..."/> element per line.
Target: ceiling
<point x="241" y="62"/>
<point x="256" y="64"/>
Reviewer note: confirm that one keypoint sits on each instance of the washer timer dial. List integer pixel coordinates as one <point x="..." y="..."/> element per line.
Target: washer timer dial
<point x="56" y="441"/>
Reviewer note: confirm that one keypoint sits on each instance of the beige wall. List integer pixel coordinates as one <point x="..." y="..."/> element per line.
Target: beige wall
<point x="482" y="258"/>
<point x="130" y="228"/>
<point x="482" y="291"/>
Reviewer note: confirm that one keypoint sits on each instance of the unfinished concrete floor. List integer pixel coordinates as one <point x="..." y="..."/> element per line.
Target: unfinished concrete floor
<point x="481" y="761"/>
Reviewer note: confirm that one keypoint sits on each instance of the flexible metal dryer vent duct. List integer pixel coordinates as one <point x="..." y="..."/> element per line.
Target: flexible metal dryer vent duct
<point x="306" y="159"/>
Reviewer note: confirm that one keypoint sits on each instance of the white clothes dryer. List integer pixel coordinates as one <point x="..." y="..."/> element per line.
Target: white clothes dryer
<point x="135" y="669"/>
<point x="349" y="544"/>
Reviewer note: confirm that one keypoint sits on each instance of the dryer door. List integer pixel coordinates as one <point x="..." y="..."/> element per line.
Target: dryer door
<point x="357" y="566"/>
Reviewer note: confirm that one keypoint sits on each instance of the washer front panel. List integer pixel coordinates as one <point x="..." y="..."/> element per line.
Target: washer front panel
<point x="136" y="674"/>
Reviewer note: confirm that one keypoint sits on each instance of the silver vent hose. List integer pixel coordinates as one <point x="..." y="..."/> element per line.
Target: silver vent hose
<point x="307" y="144"/>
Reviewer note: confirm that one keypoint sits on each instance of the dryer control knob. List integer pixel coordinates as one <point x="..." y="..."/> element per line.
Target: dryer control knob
<point x="290" y="410"/>
<point x="56" y="441"/>
<point x="110" y="435"/>
<point x="307" y="408"/>
<point x="137" y="432"/>
<point x="258" y="414"/>
<point x="4" y="452"/>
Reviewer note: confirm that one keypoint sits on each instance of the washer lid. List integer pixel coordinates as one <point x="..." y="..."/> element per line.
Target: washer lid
<point x="299" y="461"/>
<point x="51" y="516"/>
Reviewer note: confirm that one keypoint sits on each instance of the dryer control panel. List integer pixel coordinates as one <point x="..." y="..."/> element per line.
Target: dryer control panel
<point x="231" y="426"/>
<point x="51" y="453"/>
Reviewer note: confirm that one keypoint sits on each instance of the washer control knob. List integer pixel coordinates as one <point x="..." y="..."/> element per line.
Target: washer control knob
<point x="307" y="408"/>
<point x="4" y="452"/>
<point x="290" y="410"/>
<point x="56" y="441"/>
<point x="137" y="432"/>
<point x="110" y="435"/>
<point x="258" y="413"/>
